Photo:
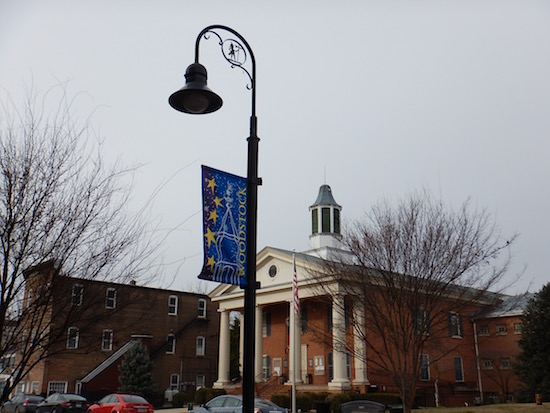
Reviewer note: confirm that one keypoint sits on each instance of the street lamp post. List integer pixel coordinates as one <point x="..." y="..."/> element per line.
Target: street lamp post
<point x="196" y="98"/>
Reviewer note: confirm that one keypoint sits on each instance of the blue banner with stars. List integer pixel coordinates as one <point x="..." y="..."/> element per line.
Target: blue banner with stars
<point x="224" y="199"/>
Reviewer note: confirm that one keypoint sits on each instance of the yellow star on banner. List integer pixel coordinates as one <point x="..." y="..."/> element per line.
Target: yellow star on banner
<point x="211" y="262"/>
<point x="213" y="216"/>
<point x="218" y="201"/>
<point x="212" y="184"/>
<point x="210" y="236"/>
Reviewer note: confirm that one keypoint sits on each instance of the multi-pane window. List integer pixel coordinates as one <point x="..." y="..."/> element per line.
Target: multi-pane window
<point x="173" y="305"/>
<point x="319" y="365"/>
<point x="77" y="294"/>
<point x="484" y="330"/>
<point x="505" y="363"/>
<point x="57" y="387"/>
<point x="517" y="328"/>
<point x="502" y="329"/>
<point x="72" y="337"/>
<point x="200" y="381"/>
<point x="455" y="324"/>
<point x="422" y="321"/>
<point x="201" y="312"/>
<point x="170" y="344"/>
<point x="459" y="371"/>
<point x="110" y="298"/>
<point x="424" y="367"/>
<point x="487" y="364"/>
<point x="174" y="381"/>
<point x="200" y="346"/>
<point x="107" y="340"/>
<point x="277" y="366"/>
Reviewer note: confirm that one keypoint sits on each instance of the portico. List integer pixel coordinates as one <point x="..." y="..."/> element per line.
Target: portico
<point x="315" y="350"/>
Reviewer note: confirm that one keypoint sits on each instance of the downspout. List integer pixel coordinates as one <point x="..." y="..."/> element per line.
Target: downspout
<point x="480" y="383"/>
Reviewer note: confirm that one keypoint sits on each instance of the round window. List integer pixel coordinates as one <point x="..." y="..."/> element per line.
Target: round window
<point x="272" y="271"/>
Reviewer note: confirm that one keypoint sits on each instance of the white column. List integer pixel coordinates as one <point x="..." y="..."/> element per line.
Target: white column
<point x="241" y="344"/>
<point x="340" y="381"/>
<point x="258" y="360"/>
<point x="224" y="350"/>
<point x="295" y="348"/>
<point x="360" y="349"/>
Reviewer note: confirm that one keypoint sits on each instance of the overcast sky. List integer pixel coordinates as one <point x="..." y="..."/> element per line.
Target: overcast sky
<point x="375" y="98"/>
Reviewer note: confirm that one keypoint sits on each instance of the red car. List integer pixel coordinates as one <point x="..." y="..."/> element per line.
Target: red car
<point x="121" y="403"/>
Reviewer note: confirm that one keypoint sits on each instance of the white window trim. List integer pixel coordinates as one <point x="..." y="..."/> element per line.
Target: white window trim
<point x="200" y="381"/>
<point x="174" y="385"/>
<point x="200" y="350"/>
<point x="427" y="357"/>
<point x="171" y="339"/>
<point x="108" y="299"/>
<point x="201" y="311"/>
<point x="110" y="344"/>
<point x="55" y="387"/>
<point x="76" y="299"/>
<point x="455" y="322"/>
<point x="461" y="370"/>
<point x="173" y="307"/>
<point x="76" y="337"/>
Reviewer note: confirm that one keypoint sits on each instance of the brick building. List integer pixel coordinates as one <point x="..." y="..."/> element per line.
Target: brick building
<point x="93" y="324"/>
<point x="470" y="363"/>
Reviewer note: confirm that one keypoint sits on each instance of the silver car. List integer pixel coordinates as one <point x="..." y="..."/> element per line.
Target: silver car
<point x="231" y="403"/>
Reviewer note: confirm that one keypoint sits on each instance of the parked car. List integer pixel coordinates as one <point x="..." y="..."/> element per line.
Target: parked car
<point x="63" y="403"/>
<point x="231" y="403"/>
<point x="118" y="403"/>
<point x="21" y="403"/>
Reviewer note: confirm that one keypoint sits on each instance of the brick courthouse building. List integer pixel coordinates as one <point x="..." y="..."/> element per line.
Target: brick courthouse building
<point x="478" y="369"/>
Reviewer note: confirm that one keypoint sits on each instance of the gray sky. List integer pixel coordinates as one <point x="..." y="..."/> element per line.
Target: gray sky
<point x="375" y="98"/>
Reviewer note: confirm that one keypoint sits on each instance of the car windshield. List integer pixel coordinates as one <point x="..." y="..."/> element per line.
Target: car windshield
<point x="35" y="398"/>
<point x="131" y="398"/>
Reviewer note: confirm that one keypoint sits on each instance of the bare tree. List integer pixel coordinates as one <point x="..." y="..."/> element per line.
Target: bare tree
<point x="414" y="269"/>
<point x="63" y="213"/>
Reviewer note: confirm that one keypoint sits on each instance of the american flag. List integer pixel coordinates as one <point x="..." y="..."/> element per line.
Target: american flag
<point x="295" y="287"/>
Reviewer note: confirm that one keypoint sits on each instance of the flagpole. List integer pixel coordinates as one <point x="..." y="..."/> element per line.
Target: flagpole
<point x="295" y="318"/>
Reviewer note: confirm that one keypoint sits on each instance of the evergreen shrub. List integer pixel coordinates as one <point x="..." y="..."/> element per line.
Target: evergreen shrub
<point x="179" y="399"/>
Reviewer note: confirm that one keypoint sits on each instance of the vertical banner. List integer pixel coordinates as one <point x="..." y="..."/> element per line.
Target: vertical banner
<point x="224" y="199"/>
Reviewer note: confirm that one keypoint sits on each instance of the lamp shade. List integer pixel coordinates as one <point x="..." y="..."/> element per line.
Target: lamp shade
<point x="195" y="97"/>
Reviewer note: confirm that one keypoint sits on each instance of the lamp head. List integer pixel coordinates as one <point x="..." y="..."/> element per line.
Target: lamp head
<point x="195" y="97"/>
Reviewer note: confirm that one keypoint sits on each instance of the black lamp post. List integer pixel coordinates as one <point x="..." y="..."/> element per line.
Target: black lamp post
<point x="196" y="98"/>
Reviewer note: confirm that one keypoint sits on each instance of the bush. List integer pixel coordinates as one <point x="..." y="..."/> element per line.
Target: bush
<point x="304" y="401"/>
<point x="281" y="399"/>
<point x="204" y="394"/>
<point x="179" y="399"/>
<point x="385" y="398"/>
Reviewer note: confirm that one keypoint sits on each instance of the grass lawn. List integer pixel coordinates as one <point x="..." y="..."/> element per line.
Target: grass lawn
<point x="493" y="408"/>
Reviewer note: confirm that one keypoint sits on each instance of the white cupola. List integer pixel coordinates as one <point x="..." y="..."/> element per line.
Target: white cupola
<point x="325" y="220"/>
